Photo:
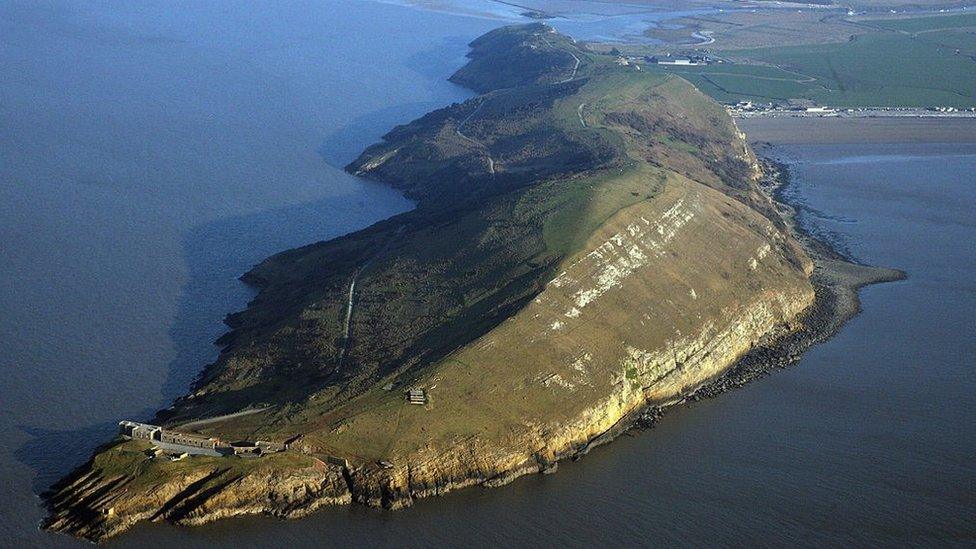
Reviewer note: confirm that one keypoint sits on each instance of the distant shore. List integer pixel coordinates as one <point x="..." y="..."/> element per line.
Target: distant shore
<point x="839" y="130"/>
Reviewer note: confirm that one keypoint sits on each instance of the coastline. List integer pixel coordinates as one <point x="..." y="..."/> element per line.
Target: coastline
<point x="759" y="339"/>
<point x="837" y="281"/>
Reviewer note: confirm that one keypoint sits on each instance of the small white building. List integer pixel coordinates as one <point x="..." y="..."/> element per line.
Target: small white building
<point x="682" y="62"/>
<point x="417" y="396"/>
<point x="141" y="431"/>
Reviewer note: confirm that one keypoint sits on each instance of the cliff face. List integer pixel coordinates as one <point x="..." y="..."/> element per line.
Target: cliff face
<point x="588" y="240"/>
<point x="120" y="487"/>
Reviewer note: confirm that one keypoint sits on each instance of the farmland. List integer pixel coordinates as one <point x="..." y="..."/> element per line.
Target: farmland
<point x="916" y="62"/>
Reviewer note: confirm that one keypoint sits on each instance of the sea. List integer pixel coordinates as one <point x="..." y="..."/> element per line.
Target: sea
<point x="151" y="152"/>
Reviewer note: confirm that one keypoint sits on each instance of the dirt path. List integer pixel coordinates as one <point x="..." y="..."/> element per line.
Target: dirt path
<point x="576" y="67"/>
<point x="201" y="422"/>
<point x="457" y="130"/>
<point x="705" y="38"/>
<point x="576" y="64"/>
<point x="805" y="79"/>
<point x="579" y="113"/>
<point x="351" y="301"/>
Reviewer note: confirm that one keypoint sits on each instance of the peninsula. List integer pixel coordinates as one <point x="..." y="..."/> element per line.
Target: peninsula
<point x="591" y="243"/>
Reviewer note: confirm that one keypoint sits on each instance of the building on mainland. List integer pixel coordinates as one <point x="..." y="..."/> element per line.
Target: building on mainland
<point x="694" y="60"/>
<point x="681" y="62"/>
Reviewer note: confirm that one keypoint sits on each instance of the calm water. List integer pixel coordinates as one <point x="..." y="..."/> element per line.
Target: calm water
<point x="150" y="152"/>
<point x="149" y="155"/>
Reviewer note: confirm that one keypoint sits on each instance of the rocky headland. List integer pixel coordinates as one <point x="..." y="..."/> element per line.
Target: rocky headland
<point x="591" y="244"/>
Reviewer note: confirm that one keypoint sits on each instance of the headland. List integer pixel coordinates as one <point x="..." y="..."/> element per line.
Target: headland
<point x="592" y="243"/>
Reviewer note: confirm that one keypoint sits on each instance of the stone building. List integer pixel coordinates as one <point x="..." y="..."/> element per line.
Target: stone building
<point x="140" y="431"/>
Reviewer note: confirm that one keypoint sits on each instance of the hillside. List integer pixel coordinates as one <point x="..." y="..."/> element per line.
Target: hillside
<point x="589" y="239"/>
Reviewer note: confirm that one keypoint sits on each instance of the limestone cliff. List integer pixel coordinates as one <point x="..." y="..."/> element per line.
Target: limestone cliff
<point x="589" y="240"/>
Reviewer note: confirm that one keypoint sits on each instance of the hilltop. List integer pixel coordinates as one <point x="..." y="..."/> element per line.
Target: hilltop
<point x="589" y="240"/>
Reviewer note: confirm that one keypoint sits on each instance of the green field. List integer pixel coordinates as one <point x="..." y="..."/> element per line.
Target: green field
<point x="926" y="24"/>
<point x="913" y="65"/>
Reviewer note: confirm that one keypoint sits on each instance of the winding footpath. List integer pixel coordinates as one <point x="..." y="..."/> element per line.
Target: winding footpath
<point x="704" y="37"/>
<point x="576" y="67"/>
<point x="576" y="64"/>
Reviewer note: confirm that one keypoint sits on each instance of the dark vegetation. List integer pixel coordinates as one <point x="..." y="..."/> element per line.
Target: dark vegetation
<point x="506" y="58"/>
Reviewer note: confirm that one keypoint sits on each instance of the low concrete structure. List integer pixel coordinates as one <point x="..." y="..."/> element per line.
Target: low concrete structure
<point x="270" y="447"/>
<point x="193" y="441"/>
<point x="139" y="431"/>
<point x="417" y="396"/>
<point x="174" y="442"/>
<point x="245" y="449"/>
<point x="168" y="448"/>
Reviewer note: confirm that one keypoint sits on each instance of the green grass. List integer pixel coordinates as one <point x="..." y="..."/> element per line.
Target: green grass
<point x="130" y="459"/>
<point x="589" y="202"/>
<point x="922" y="24"/>
<point x="877" y="69"/>
<point x="582" y="205"/>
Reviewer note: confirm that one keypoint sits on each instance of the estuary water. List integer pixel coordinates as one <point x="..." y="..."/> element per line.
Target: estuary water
<point x="150" y="153"/>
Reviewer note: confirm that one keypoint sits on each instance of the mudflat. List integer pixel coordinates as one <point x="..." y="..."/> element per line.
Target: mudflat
<point x="835" y="130"/>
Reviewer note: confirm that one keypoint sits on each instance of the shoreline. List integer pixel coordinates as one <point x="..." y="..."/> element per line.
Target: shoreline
<point x="837" y="280"/>
<point x="825" y="130"/>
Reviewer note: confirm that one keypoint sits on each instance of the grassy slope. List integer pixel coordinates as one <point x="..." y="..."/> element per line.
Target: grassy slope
<point x="427" y="296"/>
<point x="474" y="384"/>
<point x="526" y="373"/>
<point x="877" y="69"/>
